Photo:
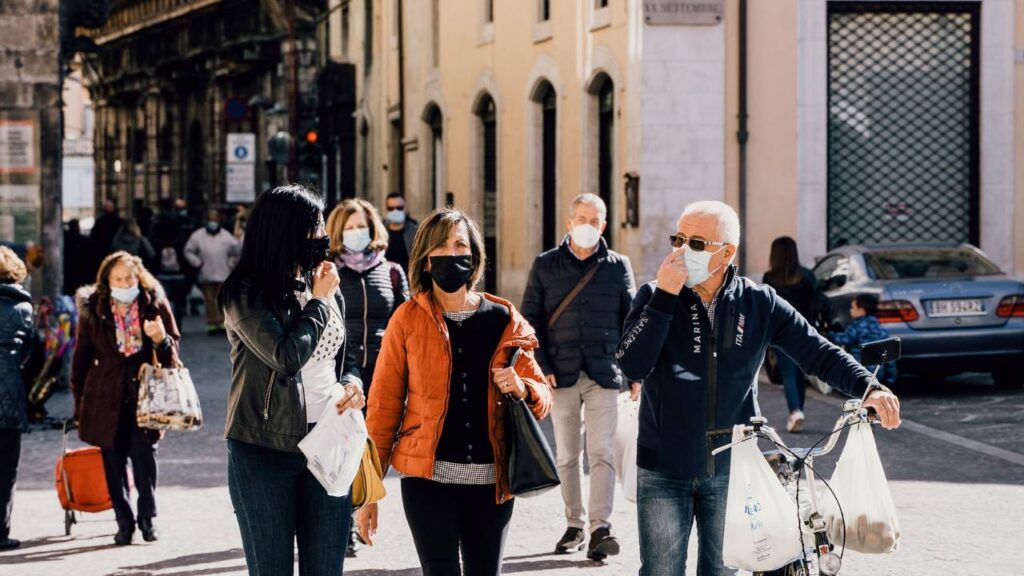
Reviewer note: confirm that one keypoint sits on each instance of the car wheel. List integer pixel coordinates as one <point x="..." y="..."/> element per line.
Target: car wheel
<point x="1008" y="379"/>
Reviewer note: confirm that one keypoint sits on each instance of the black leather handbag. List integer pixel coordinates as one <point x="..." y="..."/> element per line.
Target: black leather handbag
<point x="531" y="464"/>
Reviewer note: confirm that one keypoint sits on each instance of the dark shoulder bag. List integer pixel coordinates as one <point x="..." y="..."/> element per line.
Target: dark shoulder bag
<point x="575" y="292"/>
<point x="531" y="464"/>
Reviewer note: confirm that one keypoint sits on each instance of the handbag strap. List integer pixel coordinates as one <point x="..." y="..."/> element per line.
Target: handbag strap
<point x="575" y="292"/>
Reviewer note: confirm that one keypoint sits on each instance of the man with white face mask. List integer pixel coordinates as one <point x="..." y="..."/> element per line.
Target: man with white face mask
<point x="577" y="298"/>
<point x="697" y="337"/>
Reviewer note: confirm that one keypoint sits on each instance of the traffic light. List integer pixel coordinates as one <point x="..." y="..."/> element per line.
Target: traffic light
<point x="80" y="14"/>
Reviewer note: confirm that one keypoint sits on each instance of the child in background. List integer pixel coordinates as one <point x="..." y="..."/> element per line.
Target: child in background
<point x="865" y="328"/>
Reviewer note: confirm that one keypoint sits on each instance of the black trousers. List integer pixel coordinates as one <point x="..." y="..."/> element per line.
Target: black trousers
<point x="447" y="519"/>
<point x="132" y="445"/>
<point x="10" y="453"/>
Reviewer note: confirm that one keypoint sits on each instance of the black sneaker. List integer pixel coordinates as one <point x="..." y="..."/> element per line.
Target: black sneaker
<point x="9" y="544"/>
<point x="602" y="544"/>
<point x="149" y="532"/>
<point x="572" y="541"/>
<point x="124" y="537"/>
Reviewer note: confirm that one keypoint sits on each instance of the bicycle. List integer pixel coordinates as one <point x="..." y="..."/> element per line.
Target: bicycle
<point x="789" y="464"/>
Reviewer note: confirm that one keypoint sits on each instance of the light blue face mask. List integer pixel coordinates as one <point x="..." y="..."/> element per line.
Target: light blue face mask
<point x="125" y="295"/>
<point x="697" y="265"/>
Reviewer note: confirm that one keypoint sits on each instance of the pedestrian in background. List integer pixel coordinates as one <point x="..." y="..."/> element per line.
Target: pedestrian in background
<point x="401" y="230"/>
<point x="170" y="267"/>
<point x="80" y="260"/>
<point x="123" y="321"/>
<point x="864" y="328"/>
<point x="105" y="228"/>
<point x="373" y="288"/>
<point x="794" y="284"/>
<point x="436" y="411"/>
<point x="209" y="250"/>
<point x="577" y="297"/>
<point x="286" y="328"/>
<point x="15" y="345"/>
<point x="130" y="239"/>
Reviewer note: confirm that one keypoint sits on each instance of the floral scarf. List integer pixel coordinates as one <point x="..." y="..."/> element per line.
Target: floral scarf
<point x="129" y="328"/>
<point x="360" y="261"/>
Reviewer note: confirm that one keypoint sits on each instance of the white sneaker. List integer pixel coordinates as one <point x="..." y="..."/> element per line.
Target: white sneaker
<point x="796" y="421"/>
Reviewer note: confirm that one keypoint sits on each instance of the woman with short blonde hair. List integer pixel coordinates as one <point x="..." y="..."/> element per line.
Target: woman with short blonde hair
<point x="436" y="409"/>
<point x="372" y="286"/>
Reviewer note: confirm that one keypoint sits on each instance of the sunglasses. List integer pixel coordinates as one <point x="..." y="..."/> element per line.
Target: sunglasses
<point x="697" y="244"/>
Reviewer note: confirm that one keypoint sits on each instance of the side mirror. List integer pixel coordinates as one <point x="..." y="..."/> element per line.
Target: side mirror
<point x="837" y="281"/>
<point x="880" y="352"/>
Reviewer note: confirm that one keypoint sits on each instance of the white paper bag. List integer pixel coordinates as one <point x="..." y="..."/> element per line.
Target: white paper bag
<point x="626" y="432"/>
<point x="863" y="491"/>
<point x="762" y="531"/>
<point x="334" y="448"/>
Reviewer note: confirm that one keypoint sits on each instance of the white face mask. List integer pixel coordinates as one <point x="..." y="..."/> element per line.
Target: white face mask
<point x="396" y="216"/>
<point x="356" y="239"/>
<point x="125" y="295"/>
<point x="697" y="265"/>
<point x="585" y="236"/>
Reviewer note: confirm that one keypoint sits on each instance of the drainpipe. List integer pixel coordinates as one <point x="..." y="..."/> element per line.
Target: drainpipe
<point x="741" y="133"/>
<point x="401" y="96"/>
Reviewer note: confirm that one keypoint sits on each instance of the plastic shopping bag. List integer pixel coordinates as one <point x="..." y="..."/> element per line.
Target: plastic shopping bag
<point x="626" y="432"/>
<point x="334" y="448"/>
<point x="762" y="531"/>
<point x="863" y="492"/>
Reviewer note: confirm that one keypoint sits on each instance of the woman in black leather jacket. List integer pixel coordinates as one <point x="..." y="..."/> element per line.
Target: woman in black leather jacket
<point x="285" y="322"/>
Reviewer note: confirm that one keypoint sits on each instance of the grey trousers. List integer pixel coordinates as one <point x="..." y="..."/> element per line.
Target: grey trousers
<point x="599" y="410"/>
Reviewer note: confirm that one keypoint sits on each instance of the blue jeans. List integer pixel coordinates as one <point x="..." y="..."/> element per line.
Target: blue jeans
<point x="666" y="508"/>
<point x="793" y="383"/>
<point x="277" y="501"/>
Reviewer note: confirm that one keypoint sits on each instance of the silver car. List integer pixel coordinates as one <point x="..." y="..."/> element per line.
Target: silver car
<point x="953" y="308"/>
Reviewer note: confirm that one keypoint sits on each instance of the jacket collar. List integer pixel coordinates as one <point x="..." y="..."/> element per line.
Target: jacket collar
<point x="519" y="333"/>
<point x="600" y="254"/>
<point x="15" y="293"/>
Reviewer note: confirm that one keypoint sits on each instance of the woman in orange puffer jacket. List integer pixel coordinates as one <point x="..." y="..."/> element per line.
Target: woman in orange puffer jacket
<point x="435" y="408"/>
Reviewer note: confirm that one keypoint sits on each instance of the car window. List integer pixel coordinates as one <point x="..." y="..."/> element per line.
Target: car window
<point x="929" y="263"/>
<point x="823" y="271"/>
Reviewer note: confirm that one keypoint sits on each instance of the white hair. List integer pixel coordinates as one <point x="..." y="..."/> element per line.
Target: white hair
<point x="592" y="199"/>
<point x="728" y="220"/>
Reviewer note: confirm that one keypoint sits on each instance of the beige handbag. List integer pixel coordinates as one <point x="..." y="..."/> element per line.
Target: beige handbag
<point x="368" y="486"/>
<point x="167" y="398"/>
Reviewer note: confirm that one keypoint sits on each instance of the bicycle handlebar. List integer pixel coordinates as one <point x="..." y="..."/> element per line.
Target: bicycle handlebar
<point x="852" y="412"/>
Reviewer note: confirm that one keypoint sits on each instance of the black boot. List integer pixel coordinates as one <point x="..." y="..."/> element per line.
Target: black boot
<point x="602" y="544"/>
<point x="124" y="537"/>
<point x="149" y="532"/>
<point x="9" y="544"/>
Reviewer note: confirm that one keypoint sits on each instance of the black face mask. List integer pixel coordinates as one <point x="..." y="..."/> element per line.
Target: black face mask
<point x="451" y="273"/>
<point x="317" y="250"/>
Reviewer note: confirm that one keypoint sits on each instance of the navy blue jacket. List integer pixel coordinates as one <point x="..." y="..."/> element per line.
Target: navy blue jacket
<point x="699" y="384"/>
<point x="585" y="336"/>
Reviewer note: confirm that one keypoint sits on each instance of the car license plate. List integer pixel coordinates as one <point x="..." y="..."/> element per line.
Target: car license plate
<point x="963" y="307"/>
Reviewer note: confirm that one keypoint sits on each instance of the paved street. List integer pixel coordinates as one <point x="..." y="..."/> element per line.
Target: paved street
<point x="956" y="471"/>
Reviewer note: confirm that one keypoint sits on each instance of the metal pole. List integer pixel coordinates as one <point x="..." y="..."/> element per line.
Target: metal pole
<point x="741" y="133"/>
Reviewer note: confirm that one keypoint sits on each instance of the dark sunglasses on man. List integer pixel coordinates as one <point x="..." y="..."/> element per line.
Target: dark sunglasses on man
<point x="697" y="244"/>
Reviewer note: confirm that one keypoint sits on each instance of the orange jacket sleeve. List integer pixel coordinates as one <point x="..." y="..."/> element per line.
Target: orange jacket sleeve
<point x="538" y="393"/>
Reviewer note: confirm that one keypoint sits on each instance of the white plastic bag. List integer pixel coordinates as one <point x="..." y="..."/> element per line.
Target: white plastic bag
<point x="860" y="485"/>
<point x="626" y="432"/>
<point x="334" y="448"/>
<point x="762" y="531"/>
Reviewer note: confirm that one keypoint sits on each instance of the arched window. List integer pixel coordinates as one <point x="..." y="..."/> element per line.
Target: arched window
<point x="603" y="90"/>
<point x="435" y="123"/>
<point x="486" y="113"/>
<point x="545" y="97"/>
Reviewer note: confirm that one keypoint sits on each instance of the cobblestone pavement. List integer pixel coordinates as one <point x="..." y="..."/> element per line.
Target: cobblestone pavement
<point x="960" y="509"/>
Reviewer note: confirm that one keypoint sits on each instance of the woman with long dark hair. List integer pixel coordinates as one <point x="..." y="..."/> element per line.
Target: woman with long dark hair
<point x="124" y="320"/>
<point x="436" y="407"/>
<point x="285" y="322"/>
<point x="795" y="284"/>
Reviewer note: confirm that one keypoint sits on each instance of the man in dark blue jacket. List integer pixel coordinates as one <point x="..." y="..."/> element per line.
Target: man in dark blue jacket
<point x="577" y="298"/>
<point x="697" y="337"/>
